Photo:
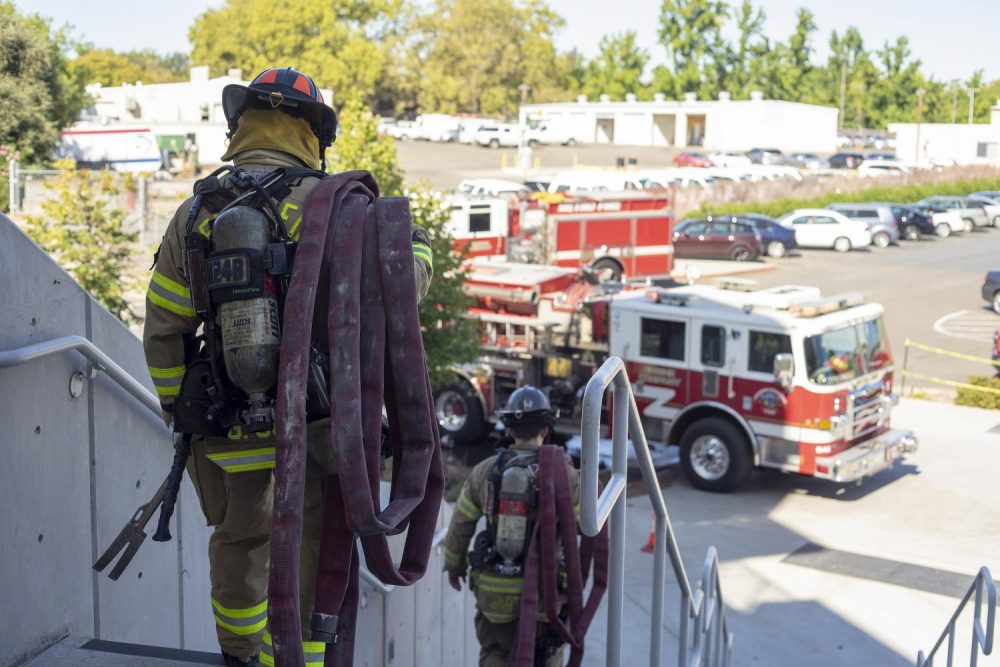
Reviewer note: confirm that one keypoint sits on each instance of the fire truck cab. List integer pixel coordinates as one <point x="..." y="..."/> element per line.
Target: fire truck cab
<point x="778" y="378"/>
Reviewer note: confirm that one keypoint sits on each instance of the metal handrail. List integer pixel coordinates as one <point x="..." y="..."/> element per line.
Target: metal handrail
<point x="711" y="643"/>
<point x="982" y="638"/>
<point x="98" y="359"/>
<point x="384" y="588"/>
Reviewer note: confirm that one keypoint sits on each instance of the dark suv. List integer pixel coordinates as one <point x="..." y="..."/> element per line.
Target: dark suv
<point x="911" y="222"/>
<point x="723" y="238"/>
<point x="846" y="160"/>
<point x="775" y="240"/>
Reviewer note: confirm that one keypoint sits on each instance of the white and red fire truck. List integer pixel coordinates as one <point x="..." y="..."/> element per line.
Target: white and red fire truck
<point x="777" y="378"/>
<point x="614" y="233"/>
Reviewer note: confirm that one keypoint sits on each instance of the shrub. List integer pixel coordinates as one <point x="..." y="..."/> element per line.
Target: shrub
<point x="980" y="399"/>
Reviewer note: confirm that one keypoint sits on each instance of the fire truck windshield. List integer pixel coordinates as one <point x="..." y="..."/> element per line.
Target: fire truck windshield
<point x="844" y="354"/>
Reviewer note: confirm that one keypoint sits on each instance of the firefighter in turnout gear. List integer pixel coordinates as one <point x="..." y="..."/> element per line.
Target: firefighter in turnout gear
<point x="212" y="329"/>
<point x="504" y="489"/>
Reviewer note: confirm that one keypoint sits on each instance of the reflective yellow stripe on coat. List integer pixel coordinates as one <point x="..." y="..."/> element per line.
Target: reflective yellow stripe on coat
<point x="246" y="621"/>
<point x="245" y="460"/>
<point x="170" y="295"/>
<point x="467" y="507"/>
<point x="315" y="652"/>
<point x="423" y="251"/>
<point x="167" y="380"/>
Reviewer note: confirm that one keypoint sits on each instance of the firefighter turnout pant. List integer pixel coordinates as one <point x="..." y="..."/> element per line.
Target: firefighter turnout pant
<point x="233" y="480"/>
<point x="496" y="640"/>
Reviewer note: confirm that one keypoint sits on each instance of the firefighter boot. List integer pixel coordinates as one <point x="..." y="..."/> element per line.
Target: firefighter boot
<point x="233" y="661"/>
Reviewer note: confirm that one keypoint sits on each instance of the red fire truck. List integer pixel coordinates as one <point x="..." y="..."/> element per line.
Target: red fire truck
<point x="777" y="378"/>
<point x="615" y="234"/>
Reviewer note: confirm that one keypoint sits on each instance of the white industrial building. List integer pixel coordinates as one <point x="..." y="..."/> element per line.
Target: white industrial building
<point x="715" y="125"/>
<point x="969" y="143"/>
<point x="190" y="108"/>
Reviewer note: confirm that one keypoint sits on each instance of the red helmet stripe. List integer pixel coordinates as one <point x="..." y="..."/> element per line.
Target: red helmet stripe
<point x="267" y="77"/>
<point x="302" y="85"/>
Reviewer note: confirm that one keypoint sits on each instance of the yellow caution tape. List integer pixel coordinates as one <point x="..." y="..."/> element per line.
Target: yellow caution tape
<point x="950" y="383"/>
<point x="949" y="353"/>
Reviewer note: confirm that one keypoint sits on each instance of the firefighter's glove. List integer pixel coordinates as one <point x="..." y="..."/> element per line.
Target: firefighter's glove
<point x="167" y="412"/>
<point x="456" y="579"/>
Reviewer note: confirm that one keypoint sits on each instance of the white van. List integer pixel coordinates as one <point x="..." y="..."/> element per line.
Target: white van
<point x="131" y="149"/>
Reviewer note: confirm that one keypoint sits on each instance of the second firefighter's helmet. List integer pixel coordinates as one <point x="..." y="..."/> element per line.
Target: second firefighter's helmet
<point x="527" y="405"/>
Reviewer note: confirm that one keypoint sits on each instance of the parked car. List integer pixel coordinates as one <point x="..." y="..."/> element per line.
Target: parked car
<point x="692" y="160"/>
<point x="775" y="240"/>
<point x="403" y="130"/>
<point x="730" y="160"/>
<point x="587" y="180"/>
<point x="911" y="222"/>
<point x="991" y="290"/>
<point x="499" y="135"/>
<point x="544" y="133"/>
<point x="872" y="167"/>
<point x="971" y="213"/>
<point x="877" y="217"/>
<point x="946" y="221"/>
<point x="988" y="194"/>
<point x="991" y="206"/>
<point x="723" y="238"/>
<point x="766" y="156"/>
<point x="882" y="156"/>
<point x="807" y="161"/>
<point x="846" y="160"/>
<point x="823" y="228"/>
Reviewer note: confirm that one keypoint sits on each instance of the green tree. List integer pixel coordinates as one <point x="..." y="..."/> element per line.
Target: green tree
<point x="750" y="57"/>
<point x="449" y="335"/>
<point x="337" y="43"/>
<point x="617" y="68"/>
<point x="691" y="33"/>
<point x="107" y="67"/>
<point x="85" y="233"/>
<point x="476" y="54"/>
<point x="360" y="146"/>
<point x="38" y="93"/>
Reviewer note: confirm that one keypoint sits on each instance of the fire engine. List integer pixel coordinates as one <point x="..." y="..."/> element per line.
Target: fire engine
<point x="780" y="378"/>
<point x="615" y="234"/>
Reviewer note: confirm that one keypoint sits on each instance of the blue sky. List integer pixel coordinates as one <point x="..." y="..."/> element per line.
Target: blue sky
<point x="953" y="39"/>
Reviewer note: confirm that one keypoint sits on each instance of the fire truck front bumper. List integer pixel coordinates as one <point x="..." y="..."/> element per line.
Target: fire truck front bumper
<point x="867" y="458"/>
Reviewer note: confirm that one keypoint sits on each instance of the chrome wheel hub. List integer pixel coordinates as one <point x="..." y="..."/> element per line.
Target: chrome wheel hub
<point x="709" y="457"/>
<point x="451" y="410"/>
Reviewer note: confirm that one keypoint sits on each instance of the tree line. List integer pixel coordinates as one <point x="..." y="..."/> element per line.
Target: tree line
<point x="402" y="57"/>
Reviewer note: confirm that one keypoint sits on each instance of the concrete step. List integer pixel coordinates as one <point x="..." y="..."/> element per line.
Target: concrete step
<point x="83" y="652"/>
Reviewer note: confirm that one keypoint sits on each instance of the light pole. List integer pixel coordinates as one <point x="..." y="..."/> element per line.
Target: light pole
<point x="972" y="101"/>
<point x="522" y="119"/>
<point x="920" y="119"/>
<point x="954" y="101"/>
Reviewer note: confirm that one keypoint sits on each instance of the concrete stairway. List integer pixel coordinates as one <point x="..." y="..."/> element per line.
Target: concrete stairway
<point x="81" y="652"/>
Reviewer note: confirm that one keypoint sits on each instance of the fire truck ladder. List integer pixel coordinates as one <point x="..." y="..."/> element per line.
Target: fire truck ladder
<point x="503" y="332"/>
<point x="705" y="639"/>
<point x="982" y="638"/>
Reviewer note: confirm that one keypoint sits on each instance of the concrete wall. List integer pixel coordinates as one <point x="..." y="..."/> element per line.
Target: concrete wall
<point x="75" y="470"/>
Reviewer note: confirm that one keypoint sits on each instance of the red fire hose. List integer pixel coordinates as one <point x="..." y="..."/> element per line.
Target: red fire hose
<point x="355" y="263"/>
<point x="556" y="515"/>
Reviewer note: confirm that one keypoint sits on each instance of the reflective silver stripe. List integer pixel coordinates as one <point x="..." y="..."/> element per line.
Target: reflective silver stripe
<point x="246" y="460"/>
<point x="315" y="652"/>
<point x="241" y="621"/>
<point x="170" y="295"/>
<point x="166" y="383"/>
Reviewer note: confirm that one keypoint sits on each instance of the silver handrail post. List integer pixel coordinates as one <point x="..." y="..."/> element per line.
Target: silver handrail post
<point x="616" y="569"/>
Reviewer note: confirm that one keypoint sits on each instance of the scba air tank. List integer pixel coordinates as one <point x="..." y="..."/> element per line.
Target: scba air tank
<point x="247" y="309"/>
<point x="512" y="518"/>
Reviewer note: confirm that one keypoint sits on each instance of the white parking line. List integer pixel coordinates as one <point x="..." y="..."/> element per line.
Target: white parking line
<point x="969" y="326"/>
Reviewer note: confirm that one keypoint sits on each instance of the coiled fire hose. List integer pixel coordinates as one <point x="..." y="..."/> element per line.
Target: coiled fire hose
<point x="557" y="520"/>
<point x="354" y="263"/>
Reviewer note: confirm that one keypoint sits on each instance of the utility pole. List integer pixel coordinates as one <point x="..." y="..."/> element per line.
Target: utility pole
<point x="920" y="119"/>
<point x="954" y="101"/>
<point x="843" y="90"/>
<point x="522" y="118"/>
<point x="972" y="102"/>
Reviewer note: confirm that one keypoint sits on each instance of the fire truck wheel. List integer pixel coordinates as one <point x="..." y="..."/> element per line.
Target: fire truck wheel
<point x="459" y="413"/>
<point x="607" y="270"/>
<point x="715" y="455"/>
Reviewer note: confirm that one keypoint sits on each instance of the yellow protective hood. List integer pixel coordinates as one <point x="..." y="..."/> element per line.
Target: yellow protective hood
<point x="274" y="130"/>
